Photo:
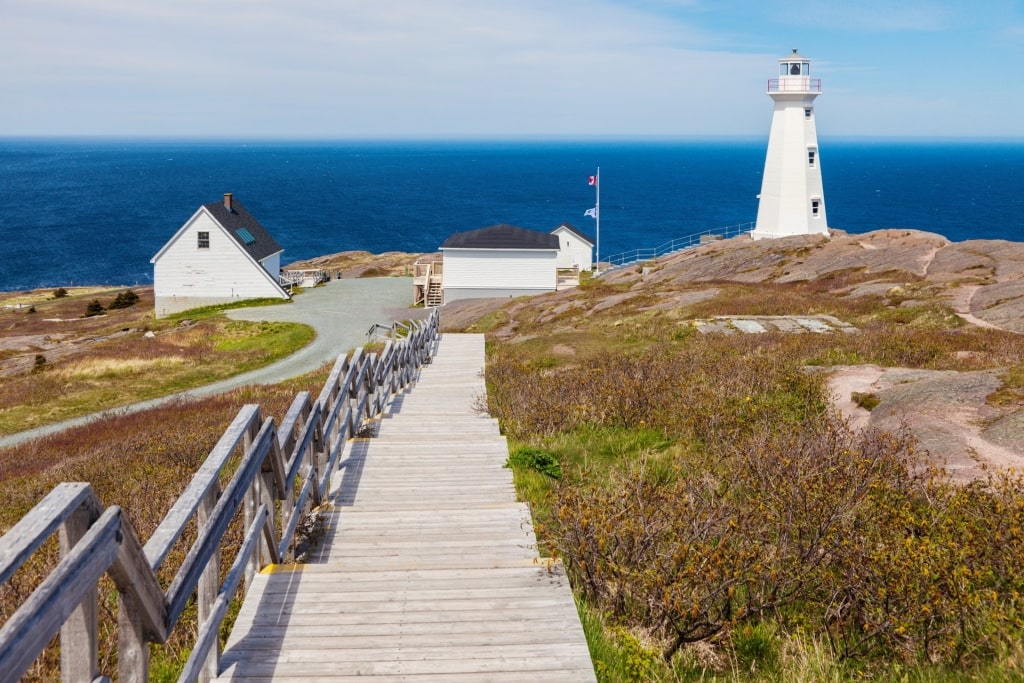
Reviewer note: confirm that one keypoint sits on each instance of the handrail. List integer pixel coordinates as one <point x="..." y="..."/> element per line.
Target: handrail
<point x="97" y="541"/>
<point x="794" y="84"/>
<point x="678" y="244"/>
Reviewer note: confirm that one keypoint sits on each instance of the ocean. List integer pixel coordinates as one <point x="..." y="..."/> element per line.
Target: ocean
<point x="95" y="211"/>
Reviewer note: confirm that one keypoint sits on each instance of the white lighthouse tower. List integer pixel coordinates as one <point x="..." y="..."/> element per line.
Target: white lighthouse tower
<point x="792" y="200"/>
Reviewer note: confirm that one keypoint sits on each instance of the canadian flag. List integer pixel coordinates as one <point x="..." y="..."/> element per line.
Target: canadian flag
<point x="592" y="180"/>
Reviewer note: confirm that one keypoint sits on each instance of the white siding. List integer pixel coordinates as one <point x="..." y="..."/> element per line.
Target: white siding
<point x="185" y="276"/>
<point x="574" y="251"/>
<point x="500" y="270"/>
<point x="272" y="264"/>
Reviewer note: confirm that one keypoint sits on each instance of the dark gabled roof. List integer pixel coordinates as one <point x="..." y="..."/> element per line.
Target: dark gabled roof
<point x="236" y="219"/>
<point x="571" y="228"/>
<point x="502" y="236"/>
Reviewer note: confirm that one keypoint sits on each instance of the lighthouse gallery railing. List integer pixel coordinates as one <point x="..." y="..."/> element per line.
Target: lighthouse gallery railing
<point x="794" y="84"/>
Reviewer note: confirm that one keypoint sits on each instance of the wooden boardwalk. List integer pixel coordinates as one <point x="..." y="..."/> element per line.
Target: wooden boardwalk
<point x="429" y="568"/>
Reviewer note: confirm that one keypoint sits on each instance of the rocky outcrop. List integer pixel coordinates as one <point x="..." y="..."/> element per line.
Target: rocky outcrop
<point x="981" y="279"/>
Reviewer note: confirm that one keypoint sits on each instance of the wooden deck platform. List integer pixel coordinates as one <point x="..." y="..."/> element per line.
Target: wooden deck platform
<point x="429" y="568"/>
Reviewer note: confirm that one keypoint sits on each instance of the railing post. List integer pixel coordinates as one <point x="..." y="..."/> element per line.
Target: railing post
<point x="209" y="581"/>
<point x="79" y="656"/>
<point x="252" y="502"/>
<point x="132" y="646"/>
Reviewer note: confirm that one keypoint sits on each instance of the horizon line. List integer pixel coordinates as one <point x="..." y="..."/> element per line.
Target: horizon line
<point x="400" y="139"/>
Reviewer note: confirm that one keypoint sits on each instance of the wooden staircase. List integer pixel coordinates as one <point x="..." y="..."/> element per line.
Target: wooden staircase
<point x="428" y="570"/>
<point x="435" y="293"/>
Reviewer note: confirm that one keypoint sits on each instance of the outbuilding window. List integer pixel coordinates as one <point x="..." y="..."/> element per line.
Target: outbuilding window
<point x="204" y="240"/>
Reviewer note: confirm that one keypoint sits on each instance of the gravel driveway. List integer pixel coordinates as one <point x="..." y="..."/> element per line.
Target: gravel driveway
<point x="341" y="312"/>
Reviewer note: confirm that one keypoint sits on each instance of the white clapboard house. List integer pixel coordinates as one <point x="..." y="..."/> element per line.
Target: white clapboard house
<point x="221" y="254"/>
<point x="499" y="261"/>
<point x="575" y="249"/>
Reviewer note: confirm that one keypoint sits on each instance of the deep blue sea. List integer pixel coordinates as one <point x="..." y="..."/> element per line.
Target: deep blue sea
<point x="96" y="211"/>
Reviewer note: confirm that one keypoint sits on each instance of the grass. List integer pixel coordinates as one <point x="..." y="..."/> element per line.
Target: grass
<point x="547" y="383"/>
<point x="142" y="463"/>
<point x="59" y="365"/>
<point x="865" y="400"/>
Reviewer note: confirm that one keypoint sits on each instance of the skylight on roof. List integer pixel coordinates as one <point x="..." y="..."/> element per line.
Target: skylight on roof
<point x="245" y="236"/>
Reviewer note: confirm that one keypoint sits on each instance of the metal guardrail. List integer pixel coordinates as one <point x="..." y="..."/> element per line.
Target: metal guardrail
<point x="284" y="471"/>
<point x="794" y="84"/>
<point x="637" y="255"/>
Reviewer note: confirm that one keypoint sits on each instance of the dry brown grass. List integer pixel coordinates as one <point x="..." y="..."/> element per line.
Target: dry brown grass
<point x="141" y="462"/>
<point x="56" y="364"/>
<point x="681" y="450"/>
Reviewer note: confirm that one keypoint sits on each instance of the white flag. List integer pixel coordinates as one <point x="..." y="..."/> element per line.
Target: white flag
<point x="591" y="212"/>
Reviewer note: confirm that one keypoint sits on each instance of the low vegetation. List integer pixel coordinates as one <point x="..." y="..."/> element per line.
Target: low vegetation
<point x="720" y="523"/>
<point x="142" y="463"/>
<point x="119" y="354"/>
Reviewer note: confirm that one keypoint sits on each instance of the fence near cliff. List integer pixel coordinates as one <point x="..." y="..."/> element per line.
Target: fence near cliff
<point x="625" y="258"/>
<point x="283" y="471"/>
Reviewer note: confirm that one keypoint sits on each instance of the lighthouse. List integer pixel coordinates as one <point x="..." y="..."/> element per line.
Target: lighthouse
<point x="792" y="199"/>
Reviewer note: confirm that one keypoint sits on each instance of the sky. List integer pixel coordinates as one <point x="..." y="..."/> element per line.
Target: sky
<point x="567" y="69"/>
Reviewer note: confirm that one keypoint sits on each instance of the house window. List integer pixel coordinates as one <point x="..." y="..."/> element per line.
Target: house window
<point x="811" y="157"/>
<point x="204" y="240"/>
<point x="808" y="111"/>
<point x="815" y="207"/>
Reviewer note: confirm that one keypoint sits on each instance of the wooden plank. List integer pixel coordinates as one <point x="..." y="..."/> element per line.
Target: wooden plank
<point x="533" y="665"/>
<point x="27" y="632"/>
<point x="172" y="526"/>
<point x="430" y="566"/>
<point x="208" y="540"/>
<point x="25" y="537"/>
<point x="560" y="676"/>
<point x="209" y="629"/>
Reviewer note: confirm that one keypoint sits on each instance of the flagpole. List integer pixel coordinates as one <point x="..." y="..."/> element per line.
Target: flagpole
<point x="597" y="218"/>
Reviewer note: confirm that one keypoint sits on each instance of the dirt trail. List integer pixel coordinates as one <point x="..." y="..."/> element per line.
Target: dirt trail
<point x="961" y="298"/>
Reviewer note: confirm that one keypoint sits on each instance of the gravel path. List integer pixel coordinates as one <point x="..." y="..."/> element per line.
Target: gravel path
<point x="341" y="312"/>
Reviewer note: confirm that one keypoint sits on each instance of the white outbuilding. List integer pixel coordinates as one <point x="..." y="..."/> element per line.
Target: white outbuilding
<point x="499" y="261"/>
<point x="221" y="254"/>
<point x="575" y="249"/>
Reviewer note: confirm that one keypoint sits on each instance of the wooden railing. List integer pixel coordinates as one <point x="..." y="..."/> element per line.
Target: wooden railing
<point x="291" y="278"/>
<point x="284" y="471"/>
<point x="425" y="274"/>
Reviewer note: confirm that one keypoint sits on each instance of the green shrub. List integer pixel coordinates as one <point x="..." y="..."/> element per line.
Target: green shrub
<point x="536" y="459"/>
<point x="60" y="293"/>
<point x="755" y="647"/>
<point x="125" y="299"/>
<point x="867" y="401"/>
<point x="94" y="308"/>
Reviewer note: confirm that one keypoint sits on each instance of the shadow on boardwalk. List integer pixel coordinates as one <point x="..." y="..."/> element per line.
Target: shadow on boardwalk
<point x="429" y="568"/>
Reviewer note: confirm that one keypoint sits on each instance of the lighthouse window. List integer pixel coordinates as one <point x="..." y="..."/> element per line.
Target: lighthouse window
<point x="785" y="69"/>
<point x="811" y="154"/>
<point x="794" y="69"/>
<point x="808" y="111"/>
<point x="815" y="207"/>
